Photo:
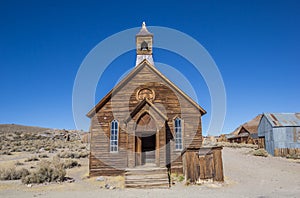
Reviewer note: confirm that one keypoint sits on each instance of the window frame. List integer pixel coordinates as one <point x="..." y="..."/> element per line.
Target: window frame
<point x="178" y="134"/>
<point x="114" y="128"/>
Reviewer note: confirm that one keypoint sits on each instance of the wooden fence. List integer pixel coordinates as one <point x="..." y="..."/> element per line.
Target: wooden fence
<point x="203" y="164"/>
<point x="283" y="152"/>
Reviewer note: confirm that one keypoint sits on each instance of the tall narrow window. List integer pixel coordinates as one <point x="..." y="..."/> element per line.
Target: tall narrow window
<point x="178" y="134"/>
<point x="114" y="130"/>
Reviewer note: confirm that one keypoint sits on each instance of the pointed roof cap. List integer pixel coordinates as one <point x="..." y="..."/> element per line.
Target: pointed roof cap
<point x="144" y="31"/>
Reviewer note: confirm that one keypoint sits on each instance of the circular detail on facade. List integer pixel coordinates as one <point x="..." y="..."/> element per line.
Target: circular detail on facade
<point x="145" y="93"/>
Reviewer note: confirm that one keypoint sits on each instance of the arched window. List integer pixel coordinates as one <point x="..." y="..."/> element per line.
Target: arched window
<point x="114" y="130"/>
<point x="144" y="46"/>
<point x="178" y="134"/>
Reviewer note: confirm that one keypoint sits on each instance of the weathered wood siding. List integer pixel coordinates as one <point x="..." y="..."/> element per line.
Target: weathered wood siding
<point x="203" y="164"/>
<point x="119" y="106"/>
<point x="283" y="152"/>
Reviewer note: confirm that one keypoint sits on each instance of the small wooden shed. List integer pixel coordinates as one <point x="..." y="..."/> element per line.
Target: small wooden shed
<point x="203" y="164"/>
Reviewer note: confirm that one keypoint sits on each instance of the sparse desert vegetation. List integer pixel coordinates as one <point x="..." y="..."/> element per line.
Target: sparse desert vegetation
<point x="260" y="152"/>
<point x="53" y="165"/>
<point x="13" y="173"/>
<point x="237" y="145"/>
<point x="42" y="155"/>
<point x="47" y="171"/>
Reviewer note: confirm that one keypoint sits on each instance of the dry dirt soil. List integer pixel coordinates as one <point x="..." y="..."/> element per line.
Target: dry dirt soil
<point x="245" y="176"/>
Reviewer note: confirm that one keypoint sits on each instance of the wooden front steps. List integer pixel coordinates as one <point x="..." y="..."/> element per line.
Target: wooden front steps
<point x="147" y="176"/>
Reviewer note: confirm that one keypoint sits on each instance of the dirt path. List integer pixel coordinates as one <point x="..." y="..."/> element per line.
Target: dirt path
<point x="246" y="176"/>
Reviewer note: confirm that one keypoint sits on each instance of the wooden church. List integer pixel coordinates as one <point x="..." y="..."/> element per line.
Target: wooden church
<point x="142" y="126"/>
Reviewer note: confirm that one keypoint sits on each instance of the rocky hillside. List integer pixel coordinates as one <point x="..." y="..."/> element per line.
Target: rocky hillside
<point x="21" y="132"/>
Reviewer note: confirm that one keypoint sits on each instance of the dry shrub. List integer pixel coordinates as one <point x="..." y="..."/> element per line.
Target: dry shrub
<point x="13" y="173"/>
<point x="5" y="153"/>
<point x="177" y="177"/>
<point x="19" y="163"/>
<point x="260" y="152"/>
<point x="236" y="145"/>
<point x="71" y="164"/>
<point x="293" y="156"/>
<point x="48" y="171"/>
<point x="71" y="154"/>
<point x="32" y="159"/>
<point x="43" y="156"/>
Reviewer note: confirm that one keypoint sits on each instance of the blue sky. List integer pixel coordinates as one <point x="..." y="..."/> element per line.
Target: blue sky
<point x="255" y="44"/>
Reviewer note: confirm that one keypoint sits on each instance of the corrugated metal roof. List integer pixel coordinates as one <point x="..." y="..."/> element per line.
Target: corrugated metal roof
<point x="283" y="119"/>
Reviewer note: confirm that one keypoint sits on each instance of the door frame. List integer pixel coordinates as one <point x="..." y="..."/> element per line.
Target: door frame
<point x="139" y="150"/>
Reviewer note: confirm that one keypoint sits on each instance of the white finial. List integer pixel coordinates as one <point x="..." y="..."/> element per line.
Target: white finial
<point x="144" y="24"/>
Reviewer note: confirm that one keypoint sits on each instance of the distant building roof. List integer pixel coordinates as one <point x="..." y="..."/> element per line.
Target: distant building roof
<point x="250" y="126"/>
<point x="283" y="119"/>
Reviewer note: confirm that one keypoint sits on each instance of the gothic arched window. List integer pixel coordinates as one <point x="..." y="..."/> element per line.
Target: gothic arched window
<point x="178" y="134"/>
<point x="114" y="130"/>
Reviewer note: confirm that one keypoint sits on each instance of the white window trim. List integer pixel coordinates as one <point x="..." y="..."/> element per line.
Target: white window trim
<point x="175" y="134"/>
<point x="116" y="150"/>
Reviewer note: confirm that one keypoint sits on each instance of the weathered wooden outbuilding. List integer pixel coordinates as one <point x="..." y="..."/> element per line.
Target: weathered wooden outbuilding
<point x="281" y="133"/>
<point x="202" y="165"/>
<point x="243" y="136"/>
<point x="246" y="133"/>
<point x="140" y="128"/>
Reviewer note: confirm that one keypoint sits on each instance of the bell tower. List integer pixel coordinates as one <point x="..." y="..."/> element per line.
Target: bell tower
<point x="144" y="40"/>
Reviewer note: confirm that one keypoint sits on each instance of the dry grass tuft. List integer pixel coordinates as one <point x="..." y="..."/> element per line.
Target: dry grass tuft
<point x="236" y="145"/>
<point x="13" y="173"/>
<point x="260" y="152"/>
<point x="46" y="172"/>
<point x="32" y="159"/>
<point x="43" y="156"/>
<point x="293" y="156"/>
<point x="70" y="154"/>
<point x="70" y="164"/>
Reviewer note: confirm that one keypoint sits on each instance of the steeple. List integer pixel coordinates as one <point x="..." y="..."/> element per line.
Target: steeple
<point x="144" y="40"/>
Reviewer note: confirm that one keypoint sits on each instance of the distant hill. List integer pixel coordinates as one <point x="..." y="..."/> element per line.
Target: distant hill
<point x="250" y="126"/>
<point x="34" y="132"/>
<point x="15" y="128"/>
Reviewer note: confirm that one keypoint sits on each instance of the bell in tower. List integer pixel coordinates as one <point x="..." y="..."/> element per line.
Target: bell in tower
<point x="144" y="41"/>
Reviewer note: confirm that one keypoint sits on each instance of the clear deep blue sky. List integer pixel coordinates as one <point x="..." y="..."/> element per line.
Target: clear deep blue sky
<point x="255" y="44"/>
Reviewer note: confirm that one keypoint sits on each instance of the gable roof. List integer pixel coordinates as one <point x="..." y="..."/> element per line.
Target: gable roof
<point x="251" y="126"/>
<point x="283" y="119"/>
<point x="141" y="105"/>
<point x="133" y="72"/>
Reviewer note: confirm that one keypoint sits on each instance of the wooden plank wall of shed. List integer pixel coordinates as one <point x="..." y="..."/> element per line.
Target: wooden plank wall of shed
<point x="209" y="166"/>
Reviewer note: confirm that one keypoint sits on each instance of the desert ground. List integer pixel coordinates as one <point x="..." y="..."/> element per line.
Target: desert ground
<point x="245" y="176"/>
